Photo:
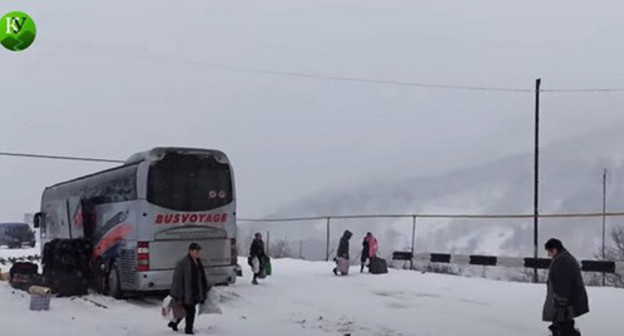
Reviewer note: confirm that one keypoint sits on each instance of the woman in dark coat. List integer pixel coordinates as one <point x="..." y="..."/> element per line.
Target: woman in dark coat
<point x="343" y="250"/>
<point x="256" y="251"/>
<point x="566" y="297"/>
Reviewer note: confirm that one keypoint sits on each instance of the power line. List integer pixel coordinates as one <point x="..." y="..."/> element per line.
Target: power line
<point x="605" y="90"/>
<point x="307" y="75"/>
<point x="359" y="79"/>
<point x="352" y="79"/>
<point x="297" y="74"/>
<point x="56" y="157"/>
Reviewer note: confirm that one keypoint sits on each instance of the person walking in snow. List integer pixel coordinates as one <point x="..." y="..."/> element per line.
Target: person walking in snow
<point x="256" y="257"/>
<point x="566" y="297"/>
<point x="342" y="256"/>
<point x="189" y="286"/>
<point x="369" y="249"/>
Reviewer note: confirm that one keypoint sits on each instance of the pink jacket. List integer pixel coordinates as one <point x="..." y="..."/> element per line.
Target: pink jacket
<point x="373" y="246"/>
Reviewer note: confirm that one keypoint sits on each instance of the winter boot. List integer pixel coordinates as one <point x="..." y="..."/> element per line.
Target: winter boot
<point x="173" y="326"/>
<point x="335" y="270"/>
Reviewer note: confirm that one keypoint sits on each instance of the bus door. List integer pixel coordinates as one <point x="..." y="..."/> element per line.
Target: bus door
<point x="73" y="210"/>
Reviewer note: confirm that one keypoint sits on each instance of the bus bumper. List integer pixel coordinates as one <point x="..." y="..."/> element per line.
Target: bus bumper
<point x="160" y="280"/>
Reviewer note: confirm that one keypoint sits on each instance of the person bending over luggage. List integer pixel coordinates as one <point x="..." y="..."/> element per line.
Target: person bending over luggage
<point x="189" y="286"/>
<point x="369" y="249"/>
<point x="256" y="251"/>
<point x="343" y="249"/>
<point x="566" y="297"/>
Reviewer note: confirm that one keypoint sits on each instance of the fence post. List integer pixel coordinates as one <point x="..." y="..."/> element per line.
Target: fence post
<point x="268" y="247"/>
<point x="327" y="245"/>
<point x="413" y="241"/>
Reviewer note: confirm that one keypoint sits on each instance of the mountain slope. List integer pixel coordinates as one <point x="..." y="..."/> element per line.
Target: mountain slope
<point x="570" y="181"/>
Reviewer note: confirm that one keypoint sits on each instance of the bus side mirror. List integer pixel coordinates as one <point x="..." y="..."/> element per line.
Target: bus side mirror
<point x="37" y="220"/>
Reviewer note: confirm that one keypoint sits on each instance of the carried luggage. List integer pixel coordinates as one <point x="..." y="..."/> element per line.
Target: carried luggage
<point x="23" y="274"/>
<point x="171" y="310"/>
<point x="377" y="266"/>
<point x="342" y="265"/>
<point x="254" y="262"/>
<point x="266" y="265"/>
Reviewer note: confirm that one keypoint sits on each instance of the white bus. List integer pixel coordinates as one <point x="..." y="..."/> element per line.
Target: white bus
<point x="142" y="215"/>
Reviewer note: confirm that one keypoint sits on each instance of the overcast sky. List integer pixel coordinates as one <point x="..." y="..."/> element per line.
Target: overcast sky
<point x="110" y="78"/>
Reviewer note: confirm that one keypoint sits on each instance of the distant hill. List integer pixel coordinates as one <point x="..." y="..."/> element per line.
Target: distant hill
<point x="570" y="181"/>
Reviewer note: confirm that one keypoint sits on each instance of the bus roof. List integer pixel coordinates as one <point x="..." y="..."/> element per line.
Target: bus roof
<point x="158" y="152"/>
<point x="153" y="154"/>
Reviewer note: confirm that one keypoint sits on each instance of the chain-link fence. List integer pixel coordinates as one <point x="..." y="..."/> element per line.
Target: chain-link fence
<point x="509" y="235"/>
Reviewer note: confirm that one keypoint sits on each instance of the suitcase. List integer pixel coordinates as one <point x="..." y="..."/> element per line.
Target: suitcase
<point x="342" y="265"/>
<point x="23" y="274"/>
<point x="377" y="266"/>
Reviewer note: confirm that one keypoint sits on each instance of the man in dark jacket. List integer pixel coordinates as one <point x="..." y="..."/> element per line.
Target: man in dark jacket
<point x="189" y="286"/>
<point x="566" y="297"/>
<point x="343" y="248"/>
<point x="256" y="251"/>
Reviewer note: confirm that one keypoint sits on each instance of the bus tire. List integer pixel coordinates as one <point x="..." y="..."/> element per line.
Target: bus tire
<point x="100" y="276"/>
<point x="114" y="283"/>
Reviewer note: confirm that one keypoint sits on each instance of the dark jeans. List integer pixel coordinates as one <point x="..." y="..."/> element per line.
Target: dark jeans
<point x="190" y="317"/>
<point x="563" y="328"/>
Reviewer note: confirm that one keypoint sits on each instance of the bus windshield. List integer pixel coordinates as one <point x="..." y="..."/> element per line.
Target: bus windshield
<point x="189" y="182"/>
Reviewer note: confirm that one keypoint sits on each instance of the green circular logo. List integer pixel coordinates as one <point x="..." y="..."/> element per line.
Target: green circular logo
<point x="17" y="31"/>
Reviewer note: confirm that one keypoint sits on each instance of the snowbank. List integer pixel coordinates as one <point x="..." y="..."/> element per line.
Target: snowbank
<point x="305" y="298"/>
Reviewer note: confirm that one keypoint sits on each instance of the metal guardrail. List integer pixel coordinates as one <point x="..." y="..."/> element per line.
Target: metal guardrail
<point x="486" y="260"/>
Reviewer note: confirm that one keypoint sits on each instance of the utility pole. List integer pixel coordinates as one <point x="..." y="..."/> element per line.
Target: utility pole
<point x="604" y="218"/>
<point x="538" y="82"/>
<point x="268" y="243"/>
<point x="327" y="241"/>
<point x="413" y="241"/>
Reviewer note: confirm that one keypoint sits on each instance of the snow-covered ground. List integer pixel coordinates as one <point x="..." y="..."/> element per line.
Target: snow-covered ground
<point x="305" y="298"/>
<point x="18" y="252"/>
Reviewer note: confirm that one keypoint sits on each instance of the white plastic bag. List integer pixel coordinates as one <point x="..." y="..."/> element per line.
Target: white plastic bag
<point x="171" y="311"/>
<point x="211" y="305"/>
<point x="255" y="265"/>
<point x="167" y="311"/>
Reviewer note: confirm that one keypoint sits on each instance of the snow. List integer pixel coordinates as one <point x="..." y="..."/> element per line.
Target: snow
<point x="305" y="298"/>
<point x="18" y="252"/>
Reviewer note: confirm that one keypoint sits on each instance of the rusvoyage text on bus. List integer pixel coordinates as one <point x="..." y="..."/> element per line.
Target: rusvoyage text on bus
<point x="205" y="218"/>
